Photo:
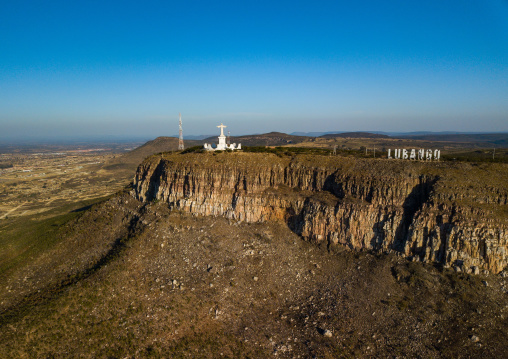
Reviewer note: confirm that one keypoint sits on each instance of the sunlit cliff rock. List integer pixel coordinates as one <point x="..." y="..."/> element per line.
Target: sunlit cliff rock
<point x="449" y="213"/>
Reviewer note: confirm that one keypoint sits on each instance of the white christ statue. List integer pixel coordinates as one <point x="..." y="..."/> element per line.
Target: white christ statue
<point x="222" y="127"/>
<point x="222" y="145"/>
<point x="222" y="139"/>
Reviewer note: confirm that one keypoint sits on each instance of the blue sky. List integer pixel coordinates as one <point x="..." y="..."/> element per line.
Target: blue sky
<point x="127" y="68"/>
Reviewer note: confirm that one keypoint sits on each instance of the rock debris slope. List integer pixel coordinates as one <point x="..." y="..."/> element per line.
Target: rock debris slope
<point x="449" y="213"/>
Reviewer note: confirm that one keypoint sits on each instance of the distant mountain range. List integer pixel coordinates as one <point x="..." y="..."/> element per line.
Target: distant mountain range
<point x="396" y="134"/>
<point x="500" y="139"/>
<point x="355" y="135"/>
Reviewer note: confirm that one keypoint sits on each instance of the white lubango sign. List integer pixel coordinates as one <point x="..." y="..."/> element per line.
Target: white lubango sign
<point x="413" y="154"/>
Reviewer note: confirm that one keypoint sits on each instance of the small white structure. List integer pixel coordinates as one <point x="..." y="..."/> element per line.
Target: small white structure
<point x="222" y="145"/>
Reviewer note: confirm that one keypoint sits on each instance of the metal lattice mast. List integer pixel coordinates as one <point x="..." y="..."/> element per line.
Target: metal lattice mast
<point x="180" y="133"/>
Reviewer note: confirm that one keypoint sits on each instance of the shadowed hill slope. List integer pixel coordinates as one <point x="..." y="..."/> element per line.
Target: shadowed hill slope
<point x="135" y="279"/>
<point x="160" y="144"/>
<point x="125" y="164"/>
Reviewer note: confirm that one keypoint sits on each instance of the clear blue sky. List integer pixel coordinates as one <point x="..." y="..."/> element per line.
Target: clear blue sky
<point x="128" y="68"/>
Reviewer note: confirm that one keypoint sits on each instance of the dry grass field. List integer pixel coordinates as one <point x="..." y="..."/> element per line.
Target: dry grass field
<point x="40" y="180"/>
<point x="39" y="183"/>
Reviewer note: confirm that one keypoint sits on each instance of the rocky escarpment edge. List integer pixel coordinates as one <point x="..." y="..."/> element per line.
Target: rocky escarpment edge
<point x="430" y="213"/>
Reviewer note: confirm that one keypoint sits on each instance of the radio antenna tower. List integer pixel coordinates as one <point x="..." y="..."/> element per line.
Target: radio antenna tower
<point x="180" y="133"/>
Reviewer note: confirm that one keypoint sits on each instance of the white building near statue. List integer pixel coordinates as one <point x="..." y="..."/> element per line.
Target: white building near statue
<point x="222" y="145"/>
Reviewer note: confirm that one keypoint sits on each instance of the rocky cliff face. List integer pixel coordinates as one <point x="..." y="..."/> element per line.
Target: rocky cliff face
<point x="455" y="214"/>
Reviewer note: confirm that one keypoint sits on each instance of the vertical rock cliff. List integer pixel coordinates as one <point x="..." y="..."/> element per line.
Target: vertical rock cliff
<point x="453" y="214"/>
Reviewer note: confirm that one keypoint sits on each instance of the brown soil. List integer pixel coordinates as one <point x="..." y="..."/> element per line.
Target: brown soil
<point x="128" y="279"/>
